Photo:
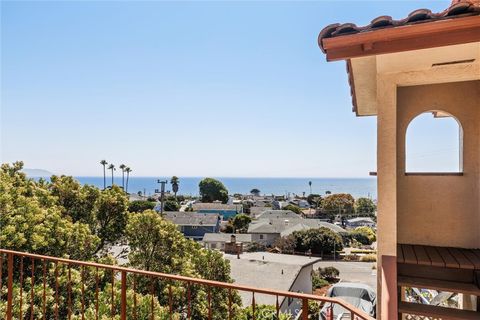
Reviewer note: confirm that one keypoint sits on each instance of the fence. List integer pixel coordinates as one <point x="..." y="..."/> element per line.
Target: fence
<point x="44" y="287"/>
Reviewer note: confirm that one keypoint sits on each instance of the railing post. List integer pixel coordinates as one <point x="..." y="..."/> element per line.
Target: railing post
<point x="10" y="286"/>
<point x="123" y="302"/>
<point x="304" y="309"/>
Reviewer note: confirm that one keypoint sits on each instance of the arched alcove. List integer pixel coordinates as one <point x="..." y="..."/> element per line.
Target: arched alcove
<point x="434" y="144"/>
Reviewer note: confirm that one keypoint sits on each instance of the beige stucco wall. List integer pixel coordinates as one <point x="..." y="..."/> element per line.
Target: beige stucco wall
<point x="440" y="210"/>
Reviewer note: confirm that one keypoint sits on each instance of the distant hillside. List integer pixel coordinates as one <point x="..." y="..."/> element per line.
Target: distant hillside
<point x="37" y="173"/>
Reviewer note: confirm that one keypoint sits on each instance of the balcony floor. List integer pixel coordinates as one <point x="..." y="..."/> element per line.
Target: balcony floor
<point x="455" y="258"/>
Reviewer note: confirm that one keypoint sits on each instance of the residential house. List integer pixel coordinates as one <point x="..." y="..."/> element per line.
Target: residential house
<point x="267" y="230"/>
<point x="426" y="64"/>
<point x="360" y="222"/>
<point x="218" y="240"/>
<point x="273" y="214"/>
<point x="274" y="271"/>
<point x="194" y="225"/>
<point x="225" y="210"/>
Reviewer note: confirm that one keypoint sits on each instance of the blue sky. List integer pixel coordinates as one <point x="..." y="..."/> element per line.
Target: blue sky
<point x="184" y="88"/>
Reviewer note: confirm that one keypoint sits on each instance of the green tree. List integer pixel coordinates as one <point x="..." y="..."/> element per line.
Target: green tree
<point x="293" y="208"/>
<point x="140" y="205"/>
<point x="240" y="222"/>
<point x="32" y="221"/>
<point x="74" y="200"/>
<point x="314" y="200"/>
<point x="364" y="235"/>
<point x="127" y="170"/>
<point x="262" y="312"/>
<point x="365" y="205"/>
<point x="111" y="210"/>
<point x="112" y="167"/>
<point x="212" y="190"/>
<point x="338" y="203"/>
<point x="171" y="205"/>
<point x="318" y="241"/>
<point x="255" y="192"/>
<point x="174" y="181"/>
<point x="104" y="163"/>
<point x="123" y="167"/>
<point x="157" y="245"/>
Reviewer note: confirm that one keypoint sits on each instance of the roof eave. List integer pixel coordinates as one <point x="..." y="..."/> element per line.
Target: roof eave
<point x="404" y="38"/>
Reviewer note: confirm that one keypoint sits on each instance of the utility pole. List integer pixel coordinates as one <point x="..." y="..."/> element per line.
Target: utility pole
<point x="162" y="193"/>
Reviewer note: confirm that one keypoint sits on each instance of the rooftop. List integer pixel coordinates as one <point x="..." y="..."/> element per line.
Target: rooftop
<point x="218" y="237"/>
<point x="275" y="271"/>
<point x="288" y="226"/>
<point x="458" y="9"/>
<point x="215" y="206"/>
<point x="192" y="218"/>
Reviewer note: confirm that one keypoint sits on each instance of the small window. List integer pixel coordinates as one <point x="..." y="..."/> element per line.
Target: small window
<point x="433" y="144"/>
<point x="261" y="237"/>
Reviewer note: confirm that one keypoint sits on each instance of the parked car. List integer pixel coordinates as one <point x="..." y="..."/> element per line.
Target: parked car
<point x="358" y="295"/>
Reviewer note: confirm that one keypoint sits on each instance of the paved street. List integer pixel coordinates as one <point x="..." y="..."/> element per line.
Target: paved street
<point x="353" y="271"/>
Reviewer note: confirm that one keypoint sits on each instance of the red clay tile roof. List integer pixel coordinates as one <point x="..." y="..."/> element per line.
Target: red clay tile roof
<point x="458" y="8"/>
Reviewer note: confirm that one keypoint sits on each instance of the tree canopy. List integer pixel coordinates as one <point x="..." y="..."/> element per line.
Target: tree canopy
<point x="255" y="192"/>
<point x="365" y="205"/>
<point x="213" y="190"/>
<point x="240" y="222"/>
<point x="338" y="203"/>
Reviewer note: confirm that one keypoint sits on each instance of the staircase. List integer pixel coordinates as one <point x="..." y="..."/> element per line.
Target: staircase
<point x="453" y="270"/>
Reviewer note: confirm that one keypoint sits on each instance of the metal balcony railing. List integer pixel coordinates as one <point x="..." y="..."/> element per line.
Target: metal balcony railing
<point x="42" y="287"/>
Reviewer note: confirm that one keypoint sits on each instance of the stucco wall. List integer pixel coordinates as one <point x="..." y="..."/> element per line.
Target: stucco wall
<point x="437" y="209"/>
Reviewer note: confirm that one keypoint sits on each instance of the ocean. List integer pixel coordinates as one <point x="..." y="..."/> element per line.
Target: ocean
<point x="357" y="187"/>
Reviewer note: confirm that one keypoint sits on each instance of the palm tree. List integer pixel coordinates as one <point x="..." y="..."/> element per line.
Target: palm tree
<point x="310" y="184"/>
<point x="122" y="166"/>
<point x="127" y="170"/>
<point x="111" y="167"/>
<point x="174" y="182"/>
<point x="104" y="163"/>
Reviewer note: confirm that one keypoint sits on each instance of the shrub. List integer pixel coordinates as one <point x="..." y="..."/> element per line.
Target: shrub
<point x="318" y="282"/>
<point x="140" y="206"/>
<point x="171" y="205"/>
<point x="350" y="257"/>
<point x="293" y="208"/>
<point x="329" y="273"/>
<point x="364" y="235"/>
<point x="255" y="246"/>
<point x="322" y="277"/>
<point x="369" y="258"/>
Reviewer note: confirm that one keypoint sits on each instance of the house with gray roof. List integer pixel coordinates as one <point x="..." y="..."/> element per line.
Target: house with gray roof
<point x="225" y="210"/>
<point x="268" y="230"/>
<point x="274" y="271"/>
<point x="218" y="240"/>
<point x="360" y="222"/>
<point x="272" y="214"/>
<point x="194" y="225"/>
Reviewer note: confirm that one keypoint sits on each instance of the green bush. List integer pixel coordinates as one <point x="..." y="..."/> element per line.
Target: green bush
<point x="293" y="208"/>
<point x="329" y="273"/>
<point x="318" y="282"/>
<point x="140" y="206"/>
<point x="369" y="258"/>
<point x="171" y="205"/>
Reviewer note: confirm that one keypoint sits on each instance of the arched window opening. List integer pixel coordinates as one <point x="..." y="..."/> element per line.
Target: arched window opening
<point x="434" y="144"/>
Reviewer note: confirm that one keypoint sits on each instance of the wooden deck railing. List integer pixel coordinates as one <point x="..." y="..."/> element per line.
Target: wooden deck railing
<point x="46" y="287"/>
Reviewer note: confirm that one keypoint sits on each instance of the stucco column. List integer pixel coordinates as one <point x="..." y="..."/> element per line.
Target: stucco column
<point x="387" y="199"/>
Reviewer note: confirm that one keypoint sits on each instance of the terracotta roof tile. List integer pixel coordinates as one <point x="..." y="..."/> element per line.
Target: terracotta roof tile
<point x="459" y="8"/>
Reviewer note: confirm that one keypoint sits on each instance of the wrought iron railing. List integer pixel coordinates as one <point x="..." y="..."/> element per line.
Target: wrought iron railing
<point x="34" y="286"/>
